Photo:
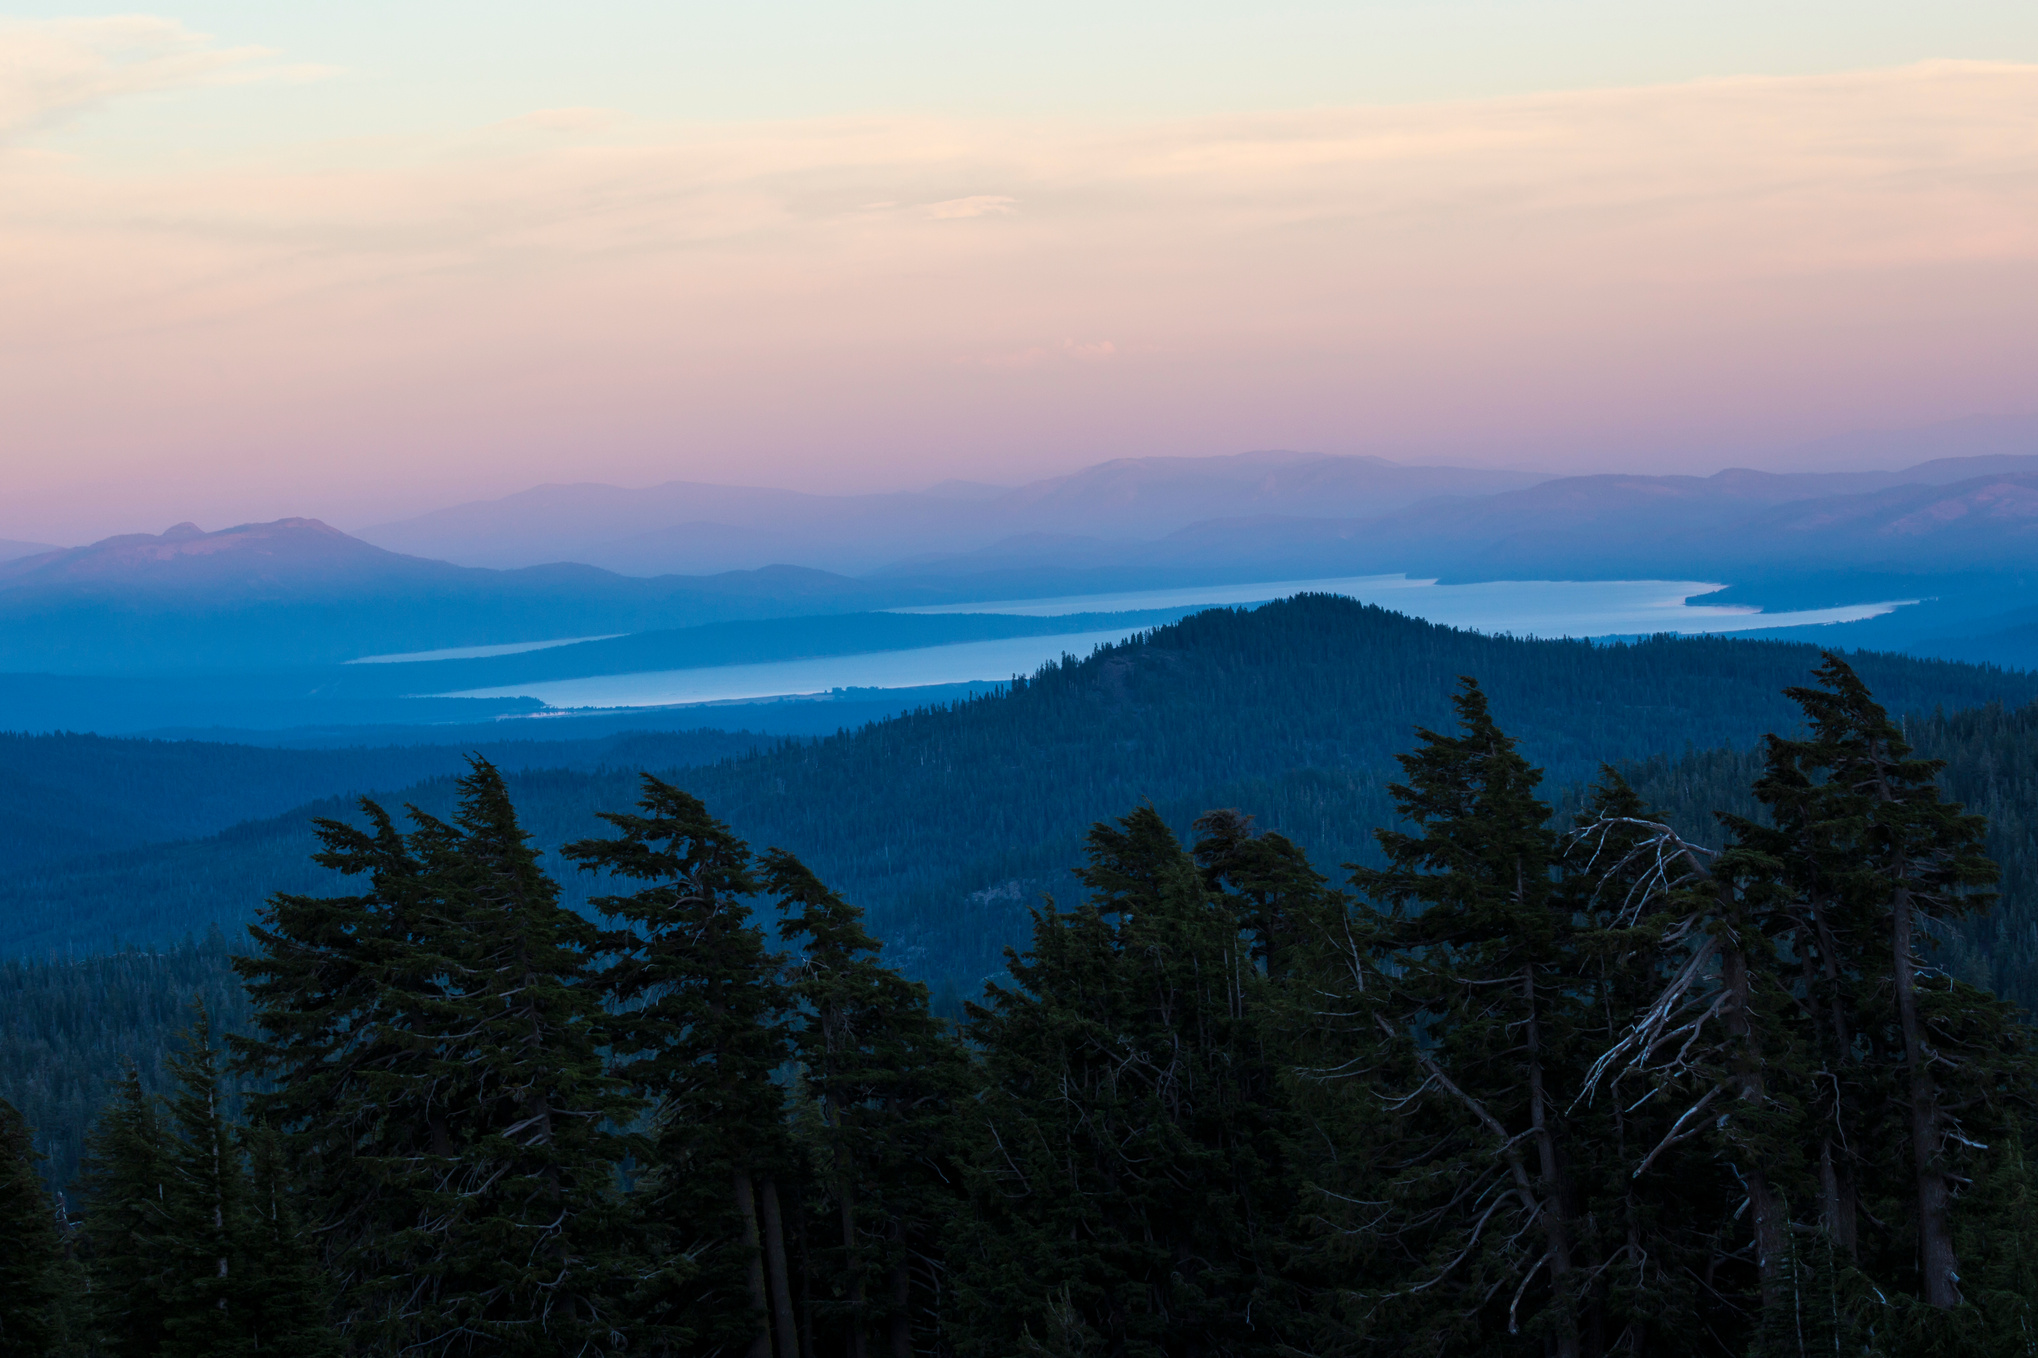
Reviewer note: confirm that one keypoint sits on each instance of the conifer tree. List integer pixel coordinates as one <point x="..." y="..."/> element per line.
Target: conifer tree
<point x="1480" y="973"/>
<point x="1131" y="1191"/>
<point x="1663" y="1205"/>
<point x="524" y="1231"/>
<point x="31" y="1277"/>
<point x="884" y="1075"/>
<point x="343" y="989"/>
<point x="203" y="1205"/>
<point x="284" y="1297"/>
<point x="435" y="1045"/>
<point x="1908" y="1061"/>
<point x="126" y="1186"/>
<point x="700" y="1028"/>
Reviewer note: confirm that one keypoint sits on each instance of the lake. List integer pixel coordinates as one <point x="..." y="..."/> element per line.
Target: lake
<point x="1543" y="608"/>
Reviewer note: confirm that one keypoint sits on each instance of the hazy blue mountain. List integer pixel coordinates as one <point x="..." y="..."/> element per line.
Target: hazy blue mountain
<point x="14" y="551"/>
<point x="299" y="592"/>
<point x="1969" y="437"/>
<point x="691" y="527"/>
<point x="1962" y="533"/>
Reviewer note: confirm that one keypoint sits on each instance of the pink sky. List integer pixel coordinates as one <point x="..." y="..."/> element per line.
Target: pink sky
<point x="1662" y="277"/>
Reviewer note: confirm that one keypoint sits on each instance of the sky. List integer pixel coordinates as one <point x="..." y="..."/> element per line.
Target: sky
<point x="358" y="261"/>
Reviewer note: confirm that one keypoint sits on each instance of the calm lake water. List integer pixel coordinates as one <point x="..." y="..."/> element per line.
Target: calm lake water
<point x="1544" y="608"/>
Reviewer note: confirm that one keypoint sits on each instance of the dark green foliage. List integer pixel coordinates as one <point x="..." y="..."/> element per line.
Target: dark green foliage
<point x="196" y="1237"/>
<point x="191" y="1247"/>
<point x="1479" y="1001"/>
<point x="285" y="1295"/>
<point x="700" y="1031"/>
<point x="32" y="1277"/>
<point x="73" y="1026"/>
<point x="126" y="1188"/>
<point x="883" y="1077"/>
<point x="1560" y="1085"/>
<point x="1918" y="1072"/>
<point x="438" y="1081"/>
<point x="1129" y="1183"/>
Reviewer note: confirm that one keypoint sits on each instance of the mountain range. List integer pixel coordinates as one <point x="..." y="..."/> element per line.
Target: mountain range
<point x="296" y="593"/>
<point x="687" y="527"/>
<point x="1958" y="514"/>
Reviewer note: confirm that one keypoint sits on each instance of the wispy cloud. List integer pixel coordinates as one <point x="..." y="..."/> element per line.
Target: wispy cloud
<point x="976" y="205"/>
<point x="53" y="68"/>
<point x="1708" y="259"/>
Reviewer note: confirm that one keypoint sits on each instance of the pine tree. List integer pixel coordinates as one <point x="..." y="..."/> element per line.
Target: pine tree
<point x="1480" y="971"/>
<point x="31" y="1277"/>
<point x="1911" y="1063"/>
<point x="284" y="1296"/>
<point x="884" y="1075"/>
<point x="344" y="989"/>
<point x="1131" y="1191"/>
<point x="126" y="1189"/>
<point x="700" y="1028"/>
<point x="1662" y="1203"/>
<point x="203" y="1202"/>
<point x="526" y="1232"/>
<point x="436" y="1049"/>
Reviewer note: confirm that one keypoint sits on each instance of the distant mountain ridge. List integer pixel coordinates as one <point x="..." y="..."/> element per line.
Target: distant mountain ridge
<point x="299" y="592"/>
<point x="1936" y="517"/>
<point x="11" y="550"/>
<point x="689" y="527"/>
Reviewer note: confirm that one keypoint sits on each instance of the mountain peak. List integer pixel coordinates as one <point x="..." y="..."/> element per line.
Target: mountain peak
<point x="284" y="549"/>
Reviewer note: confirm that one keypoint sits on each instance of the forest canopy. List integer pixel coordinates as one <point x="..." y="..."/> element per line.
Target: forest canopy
<point x="1522" y="1082"/>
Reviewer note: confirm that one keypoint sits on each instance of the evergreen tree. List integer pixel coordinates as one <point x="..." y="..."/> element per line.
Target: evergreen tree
<point x="1130" y="1187"/>
<point x="1480" y="971"/>
<point x="284" y="1296"/>
<point x="343" y="989"/>
<point x="701" y="1030"/>
<point x="1909" y="1063"/>
<point x="1663" y="1207"/>
<point x="435" y="1046"/>
<point x="203" y="1202"/>
<point x="883" y="1074"/>
<point x="126" y="1183"/>
<point x="31" y="1276"/>
<point x="524" y="1231"/>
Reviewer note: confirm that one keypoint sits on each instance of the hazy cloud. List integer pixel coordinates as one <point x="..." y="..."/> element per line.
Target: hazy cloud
<point x="976" y="205"/>
<point x="1709" y="265"/>
<point x="56" y="67"/>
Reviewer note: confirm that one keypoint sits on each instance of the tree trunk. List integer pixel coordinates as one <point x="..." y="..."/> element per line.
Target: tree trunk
<point x="1555" y="1202"/>
<point x="852" y="1258"/>
<point x="1936" y="1259"/>
<point x="781" y="1282"/>
<point x="902" y="1300"/>
<point x="1771" y="1245"/>
<point x="746" y="1203"/>
<point x="1838" y="1184"/>
<point x="1836" y="1176"/>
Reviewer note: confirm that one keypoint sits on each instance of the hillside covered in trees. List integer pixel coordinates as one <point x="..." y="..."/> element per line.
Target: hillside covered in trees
<point x="949" y="824"/>
<point x="946" y="823"/>
<point x="1527" y="1083"/>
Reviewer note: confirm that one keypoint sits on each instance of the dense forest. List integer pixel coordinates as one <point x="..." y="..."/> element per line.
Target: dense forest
<point x="946" y="822"/>
<point x="1527" y="1082"/>
<point x="69" y="795"/>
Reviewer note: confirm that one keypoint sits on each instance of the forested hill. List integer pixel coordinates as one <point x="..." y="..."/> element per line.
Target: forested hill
<point x="68" y="794"/>
<point x="948" y="823"/>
